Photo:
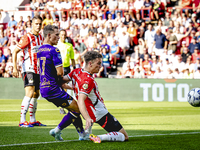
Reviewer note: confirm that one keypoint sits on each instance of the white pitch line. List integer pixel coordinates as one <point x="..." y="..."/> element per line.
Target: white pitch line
<point x="78" y="140"/>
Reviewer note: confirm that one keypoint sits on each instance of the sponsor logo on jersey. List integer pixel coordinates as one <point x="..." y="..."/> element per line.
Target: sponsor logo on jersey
<point x="85" y="86"/>
<point x="64" y="104"/>
<point x="30" y="80"/>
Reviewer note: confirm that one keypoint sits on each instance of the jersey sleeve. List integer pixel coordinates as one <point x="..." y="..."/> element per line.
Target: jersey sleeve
<point x="72" y="52"/>
<point x="86" y="87"/>
<point x="57" y="59"/>
<point x="24" y="42"/>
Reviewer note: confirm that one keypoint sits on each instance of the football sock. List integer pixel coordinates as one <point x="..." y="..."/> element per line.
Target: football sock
<point x="112" y="136"/>
<point x="24" y="108"/>
<point x="66" y="121"/>
<point x="89" y="130"/>
<point x="32" y="109"/>
<point x="79" y="125"/>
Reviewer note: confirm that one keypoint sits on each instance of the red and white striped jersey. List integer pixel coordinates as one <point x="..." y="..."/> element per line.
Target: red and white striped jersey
<point x="30" y="43"/>
<point x="83" y="82"/>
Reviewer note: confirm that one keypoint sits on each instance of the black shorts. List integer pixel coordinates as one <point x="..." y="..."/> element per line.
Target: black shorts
<point x="31" y="79"/>
<point x="110" y="123"/>
<point x="63" y="99"/>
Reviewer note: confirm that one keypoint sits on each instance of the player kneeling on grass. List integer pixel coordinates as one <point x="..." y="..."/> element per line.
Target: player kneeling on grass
<point x="91" y="104"/>
<point x="51" y="73"/>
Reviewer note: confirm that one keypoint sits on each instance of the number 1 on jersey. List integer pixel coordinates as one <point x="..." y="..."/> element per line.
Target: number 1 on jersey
<point x="43" y="64"/>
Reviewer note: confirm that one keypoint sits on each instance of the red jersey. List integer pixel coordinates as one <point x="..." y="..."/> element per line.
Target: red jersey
<point x="30" y="43"/>
<point x="83" y="82"/>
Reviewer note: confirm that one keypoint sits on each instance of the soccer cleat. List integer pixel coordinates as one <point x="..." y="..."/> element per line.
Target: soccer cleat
<point x="84" y="138"/>
<point x="95" y="138"/>
<point x="25" y="124"/>
<point x="37" y="123"/>
<point x="56" y="135"/>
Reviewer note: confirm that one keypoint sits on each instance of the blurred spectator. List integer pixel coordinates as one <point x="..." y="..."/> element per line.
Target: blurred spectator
<point x="77" y="58"/>
<point x="141" y="45"/>
<point x="186" y="53"/>
<point x="80" y="46"/>
<point x="111" y="5"/>
<point x="122" y="5"/>
<point x="94" y="7"/>
<point x="187" y="74"/>
<point x="2" y="57"/>
<point x="12" y="23"/>
<point x="9" y="54"/>
<point x="197" y="64"/>
<point x="100" y="38"/>
<point x="156" y="9"/>
<point x="178" y="64"/>
<point x="3" y="39"/>
<point x="193" y="45"/>
<point x="119" y="18"/>
<point x="138" y="4"/>
<point x="57" y="10"/>
<point x="94" y="21"/>
<point x="106" y="60"/>
<point x="74" y="21"/>
<point x="149" y="73"/>
<point x="57" y="23"/>
<point x="155" y="64"/>
<point x="148" y="5"/>
<point x="65" y="23"/>
<point x="28" y="26"/>
<point x="9" y="68"/>
<point x="111" y="38"/>
<point x="13" y="40"/>
<point x="177" y="74"/>
<point x="120" y="29"/>
<point x="168" y="74"/>
<point x="75" y="32"/>
<point x="146" y="64"/>
<point x="127" y="20"/>
<point x="195" y="55"/>
<point x="132" y="32"/>
<point x="90" y="39"/>
<point x="149" y="38"/>
<point x="104" y="44"/>
<point x="136" y="55"/>
<point x="83" y="31"/>
<point x="50" y="5"/>
<point x="160" y="42"/>
<point x="2" y="66"/>
<point x="47" y="21"/>
<point x="128" y="61"/>
<point x="166" y="65"/>
<point x="197" y="73"/>
<point x="66" y="5"/>
<point x="101" y="20"/>
<point x="138" y="19"/>
<point x="110" y="20"/>
<point x="101" y="29"/>
<point x="189" y="65"/>
<point x="138" y="73"/>
<point x="119" y="74"/>
<point x="158" y="73"/>
<point x="124" y="43"/>
<point x="128" y="73"/>
<point x="92" y="28"/>
<point x="115" y="53"/>
<point x="167" y="19"/>
<point x="172" y="46"/>
<point x="102" y="4"/>
<point x="142" y="54"/>
<point x="110" y="29"/>
<point x="83" y="20"/>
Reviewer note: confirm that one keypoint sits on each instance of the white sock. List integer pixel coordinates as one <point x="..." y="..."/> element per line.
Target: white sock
<point x="57" y="130"/>
<point x="32" y="109"/>
<point x="112" y="136"/>
<point x="24" y="108"/>
<point x="89" y="130"/>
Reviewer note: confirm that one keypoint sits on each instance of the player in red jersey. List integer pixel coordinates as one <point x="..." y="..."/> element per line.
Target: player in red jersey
<point x="29" y="44"/>
<point x="90" y="102"/>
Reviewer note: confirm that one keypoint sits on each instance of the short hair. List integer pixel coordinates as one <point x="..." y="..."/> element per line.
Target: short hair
<point x="49" y="29"/>
<point x="91" y="55"/>
<point x="37" y="17"/>
<point x="63" y="30"/>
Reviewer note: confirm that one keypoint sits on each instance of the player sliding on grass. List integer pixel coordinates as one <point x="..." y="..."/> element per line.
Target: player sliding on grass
<point x="90" y="102"/>
<point x="51" y="74"/>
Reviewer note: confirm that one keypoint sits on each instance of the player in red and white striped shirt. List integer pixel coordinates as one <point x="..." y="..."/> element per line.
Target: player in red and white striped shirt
<point x="90" y="102"/>
<point x="29" y="44"/>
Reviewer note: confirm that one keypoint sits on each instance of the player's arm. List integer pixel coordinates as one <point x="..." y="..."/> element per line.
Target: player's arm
<point x="83" y="110"/>
<point x="15" y="72"/>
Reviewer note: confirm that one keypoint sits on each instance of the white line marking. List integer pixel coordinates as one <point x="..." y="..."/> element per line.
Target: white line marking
<point x="78" y="140"/>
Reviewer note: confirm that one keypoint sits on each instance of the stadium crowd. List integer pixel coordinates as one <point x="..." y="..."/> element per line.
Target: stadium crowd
<point x="151" y="38"/>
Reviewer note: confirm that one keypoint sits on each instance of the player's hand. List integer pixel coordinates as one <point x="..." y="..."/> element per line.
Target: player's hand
<point x="88" y="123"/>
<point x="15" y="73"/>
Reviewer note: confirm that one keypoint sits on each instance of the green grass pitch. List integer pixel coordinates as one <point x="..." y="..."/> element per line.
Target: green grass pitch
<point x="150" y="125"/>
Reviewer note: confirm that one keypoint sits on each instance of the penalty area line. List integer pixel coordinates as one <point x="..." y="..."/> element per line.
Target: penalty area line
<point x="148" y="135"/>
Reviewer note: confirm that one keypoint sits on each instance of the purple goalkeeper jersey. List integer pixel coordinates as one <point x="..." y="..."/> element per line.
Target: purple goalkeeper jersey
<point x="48" y="59"/>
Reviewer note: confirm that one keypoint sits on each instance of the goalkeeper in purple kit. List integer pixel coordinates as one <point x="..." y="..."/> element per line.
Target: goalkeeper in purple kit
<point x="51" y="86"/>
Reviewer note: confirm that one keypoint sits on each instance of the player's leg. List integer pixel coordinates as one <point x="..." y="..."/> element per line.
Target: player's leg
<point x="29" y="90"/>
<point x="33" y="102"/>
<point x="115" y="130"/>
